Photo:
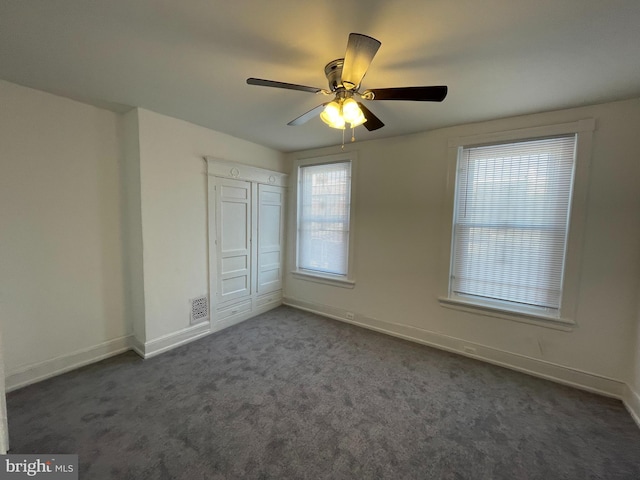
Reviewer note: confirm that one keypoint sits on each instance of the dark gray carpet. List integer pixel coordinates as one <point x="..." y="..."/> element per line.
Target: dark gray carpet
<point x="290" y="395"/>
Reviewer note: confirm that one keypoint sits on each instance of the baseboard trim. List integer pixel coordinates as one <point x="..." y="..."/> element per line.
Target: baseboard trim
<point x="137" y="346"/>
<point x="172" y="340"/>
<point x="631" y="400"/>
<point x="230" y="321"/>
<point x="561" y="374"/>
<point x="195" y="332"/>
<point x="64" y="363"/>
<point x="37" y="372"/>
<point x="266" y="307"/>
<point x="532" y="366"/>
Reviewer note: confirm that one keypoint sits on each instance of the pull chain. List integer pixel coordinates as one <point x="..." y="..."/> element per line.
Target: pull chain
<point x="353" y="136"/>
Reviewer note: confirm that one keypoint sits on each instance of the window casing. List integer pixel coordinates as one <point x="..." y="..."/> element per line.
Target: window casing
<point x="517" y="207"/>
<point x="324" y="215"/>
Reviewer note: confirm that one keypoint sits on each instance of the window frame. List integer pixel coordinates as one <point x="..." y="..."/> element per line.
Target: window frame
<point x="345" y="281"/>
<point x="565" y="319"/>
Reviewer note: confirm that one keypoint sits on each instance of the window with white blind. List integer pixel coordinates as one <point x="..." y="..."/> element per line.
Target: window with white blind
<point x="323" y="218"/>
<point x="511" y="220"/>
<point x="513" y="205"/>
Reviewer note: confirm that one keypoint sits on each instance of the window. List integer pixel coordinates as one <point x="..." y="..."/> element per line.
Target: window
<point x="323" y="225"/>
<point x="323" y="218"/>
<point x="511" y="218"/>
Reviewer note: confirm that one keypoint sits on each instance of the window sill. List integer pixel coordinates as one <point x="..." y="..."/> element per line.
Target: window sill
<point x="326" y="279"/>
<point x="538" y="319"/>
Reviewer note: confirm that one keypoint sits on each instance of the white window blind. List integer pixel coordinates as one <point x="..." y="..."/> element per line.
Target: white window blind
<point x="323" y="217"/>
<point x="511" y="221"/>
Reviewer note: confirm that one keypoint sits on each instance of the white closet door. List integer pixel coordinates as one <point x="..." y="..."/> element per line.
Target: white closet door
<point x="233" y="241"/>
<point x="270" y="237"/>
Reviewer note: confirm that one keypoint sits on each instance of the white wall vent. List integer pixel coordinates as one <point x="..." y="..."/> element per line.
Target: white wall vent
<point x="199" y="309"/>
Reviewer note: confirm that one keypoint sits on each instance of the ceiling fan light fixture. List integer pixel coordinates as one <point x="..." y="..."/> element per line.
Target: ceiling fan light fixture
<point x="351" y="111"/>
<point x="358" y="121"/>
<point x="332" y="115"/>
<point x="342" y="111"/>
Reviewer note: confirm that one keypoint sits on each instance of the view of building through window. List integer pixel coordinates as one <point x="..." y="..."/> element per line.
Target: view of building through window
<point x="323" y="223"/>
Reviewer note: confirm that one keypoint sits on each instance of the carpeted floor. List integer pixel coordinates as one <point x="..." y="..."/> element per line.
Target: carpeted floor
<point x="291" y="395"/>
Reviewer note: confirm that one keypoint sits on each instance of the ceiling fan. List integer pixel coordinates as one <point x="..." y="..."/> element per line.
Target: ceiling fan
<point x="344" y="76"/>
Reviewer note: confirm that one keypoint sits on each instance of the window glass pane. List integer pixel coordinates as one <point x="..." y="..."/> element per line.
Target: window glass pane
<point x="512" y="212"/>
<point x="323" y="217"/>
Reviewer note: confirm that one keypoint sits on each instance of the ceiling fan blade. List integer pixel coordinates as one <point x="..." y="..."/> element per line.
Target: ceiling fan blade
<point x="305" y="117"/>
<point x="418" y="94"/>
<point x="289" y="86"/>
<point x="373" y="122"/>
<point x="360" y="52"/>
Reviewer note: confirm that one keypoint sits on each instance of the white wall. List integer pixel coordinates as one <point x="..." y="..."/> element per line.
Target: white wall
<point x="635" y="383"/>
<point x="4" y="421"/>
<point x="104" y="221"/>
<point x="132" y="218"/>
<point x="174" y="212"/>
<point x="632" y="399"/>
<point x="61" y="259"/>
<point x="104" y="227"/>
<point x="399" y="226"/>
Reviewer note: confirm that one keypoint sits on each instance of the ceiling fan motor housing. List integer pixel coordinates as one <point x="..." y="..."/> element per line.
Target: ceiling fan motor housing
<point x="333" y="72"/>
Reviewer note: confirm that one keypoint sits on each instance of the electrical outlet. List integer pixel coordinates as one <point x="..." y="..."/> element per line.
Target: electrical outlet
<point x="350" y="316"/>
<point x="468" y="349"/>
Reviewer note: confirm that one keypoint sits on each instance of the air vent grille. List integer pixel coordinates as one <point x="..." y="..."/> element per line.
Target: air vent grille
<point x="199" y="309"/>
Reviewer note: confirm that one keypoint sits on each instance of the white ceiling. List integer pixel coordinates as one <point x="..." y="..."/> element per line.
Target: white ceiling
<point x="189" y="59"/>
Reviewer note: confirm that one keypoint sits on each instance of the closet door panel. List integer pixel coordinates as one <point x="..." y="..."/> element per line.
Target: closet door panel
<point x="270" y="237"/>
<point x="233" y="242"/>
